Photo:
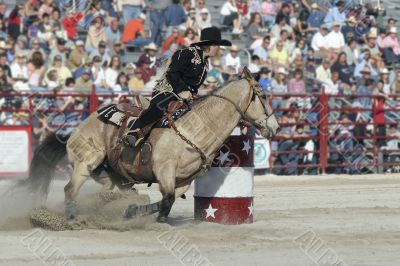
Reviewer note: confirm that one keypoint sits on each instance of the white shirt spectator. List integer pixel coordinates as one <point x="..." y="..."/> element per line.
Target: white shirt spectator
<point x="318" y="41"/>
<point x="330" y="87"/>
<point x="228" y="9"/>
<point x="232" y="62"/>
<point x="254" y="68"/>
<point x="335" y="40"/>
<point x="111" y="76"/>
<point x="261" y="52"/>
<point x="19" y="71"/>
<point x="101" y="75"/>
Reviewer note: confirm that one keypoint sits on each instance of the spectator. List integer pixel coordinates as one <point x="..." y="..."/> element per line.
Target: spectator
<point x="204" y="20"/>
<point x="352" y="52"/>
<point x="19" y="69"/>
<point x="255" y="29"/>
<point x="117" y="49"/>
<point x="190" y="36"/>
<point x="335" y="40"/>
<point x="331" y="86"/>
<point x="70" y="22"/>
<point x="98" y="72"/>
<point x="336" y="14"/>
<point x="171" y="50"/>
<point x="268" y="12"/>
<point x="60" y="50"/>
<point x="46" y="30"/>
<point x="302" y="28"/>
<point x="131" y="9"/>
<point x="36" y="69"/>
<point x="378" y="108"/>
<point x="35" y="47"/>
<point x="254" y="65"/>
<point x="279" y="86"/>
<point x="83" y="83"/>
<point x="112" y="32"/>
<point x="349" y="30"/>
<point x="265" y="80"/>
<point x="279" y="56"/>
<point x="147" y="71"/>
<point x="230" y="17"/>
<point x="341" y="66"/>
<point x="111" y="74"/>
<point x="174" y="16"/>
<point x="69" y="86"/>
<point x="46" y="8"/>
<point x="216" y="72"/>
<point x="316" y="17"/>
<point x="149" y="54"/>
<point x="14" y="23"/>
<point x="323" y="72"/>
<point x="122" y="83"/>
<point x="95" y="35"/>
<point x="4" y="65"/>
<point x="232" y="61"/>
<point x="63" y="72"/>
<point x="136" y="83"/>
<point x="280" y="25"/>
<point x="384" y="77"/>
<point x="191" y="21"/>
<point x="296" y="84"/>
<point x="299" y="50"/>
<point x="134" y="33"/>
<point x="372" y="45"/>
<point x="391" y="47"/>
<point x="395" y="88"/>
<point x="319" y="43"/>
<point x="78" y="56"/>
<point x="284" y="12"/>
<point x="175" y="37"/>
<point x="102" y="53"/>
<point x="262" y="51"/>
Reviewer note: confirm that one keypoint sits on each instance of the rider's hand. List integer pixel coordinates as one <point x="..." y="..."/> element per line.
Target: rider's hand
<point x="186" y="95"/>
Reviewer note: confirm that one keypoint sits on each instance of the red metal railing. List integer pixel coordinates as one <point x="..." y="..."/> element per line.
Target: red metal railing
<point x="318" y="105"/>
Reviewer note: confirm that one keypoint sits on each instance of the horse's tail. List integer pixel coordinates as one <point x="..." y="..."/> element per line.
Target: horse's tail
<point x="45" y="159"/>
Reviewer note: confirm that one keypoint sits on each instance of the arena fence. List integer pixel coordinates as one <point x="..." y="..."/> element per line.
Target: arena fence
<point x="321" y="133"/>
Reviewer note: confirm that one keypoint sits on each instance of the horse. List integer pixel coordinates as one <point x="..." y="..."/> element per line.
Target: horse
<point x="179" y="153"/>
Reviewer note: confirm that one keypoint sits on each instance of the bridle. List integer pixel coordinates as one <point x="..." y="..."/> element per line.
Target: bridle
<point x="256" y="91"/>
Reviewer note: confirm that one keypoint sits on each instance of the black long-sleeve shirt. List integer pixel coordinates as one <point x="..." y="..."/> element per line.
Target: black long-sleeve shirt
<point x="187" y="70"/>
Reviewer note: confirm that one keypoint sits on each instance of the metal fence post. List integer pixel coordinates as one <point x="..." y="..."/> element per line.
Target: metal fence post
<point x="324" y="131"/>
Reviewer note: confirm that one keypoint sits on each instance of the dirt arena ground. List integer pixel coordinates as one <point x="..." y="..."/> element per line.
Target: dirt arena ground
<point x="325" y="220"/>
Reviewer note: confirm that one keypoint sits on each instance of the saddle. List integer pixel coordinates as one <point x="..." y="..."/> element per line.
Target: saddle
<point x="122" y="116"/>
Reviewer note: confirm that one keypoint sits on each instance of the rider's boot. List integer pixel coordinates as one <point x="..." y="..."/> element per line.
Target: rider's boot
<point x="133" y="138"/>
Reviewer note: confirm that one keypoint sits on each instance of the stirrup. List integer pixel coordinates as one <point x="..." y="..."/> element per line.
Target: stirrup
<point x="133" y="138"/>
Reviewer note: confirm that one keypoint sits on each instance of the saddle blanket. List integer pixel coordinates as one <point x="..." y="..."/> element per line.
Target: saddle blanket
<point x="111" y="114"/>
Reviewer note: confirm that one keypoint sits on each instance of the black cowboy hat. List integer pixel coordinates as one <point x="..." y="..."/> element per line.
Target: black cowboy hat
<point x="211" y="36"/>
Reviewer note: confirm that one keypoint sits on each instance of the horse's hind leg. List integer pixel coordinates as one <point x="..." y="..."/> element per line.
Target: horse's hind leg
<point x="79" y="176"/>
<point x="166" y="180"/>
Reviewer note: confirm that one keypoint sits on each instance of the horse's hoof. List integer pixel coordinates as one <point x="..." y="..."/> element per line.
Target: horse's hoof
<point x="162" y="219"/>
<point x="70" y="211"/>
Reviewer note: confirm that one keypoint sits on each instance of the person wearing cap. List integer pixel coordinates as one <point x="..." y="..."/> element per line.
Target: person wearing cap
<point x="204" y="19"/>
<point x="101" y="52"/>
<point x="371" y="44"/>
<point x="59" y="49"/>
<point x="78" y="57"/>
<point x="391" y="46"/>
<point x="174" y="16"/>
<point x="316" y="17"/>
<point x="149" y="54"/>
<point x="336" y="14"/>
<point x="98" y="71"/>
<point x="134" y="33"/>
<point x="384" y="78"/>
<point x="184" y="73"/>
<point x="84" y="84"/>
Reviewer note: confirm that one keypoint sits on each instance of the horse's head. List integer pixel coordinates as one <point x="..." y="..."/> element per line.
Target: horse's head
<point x="259" y="113"/>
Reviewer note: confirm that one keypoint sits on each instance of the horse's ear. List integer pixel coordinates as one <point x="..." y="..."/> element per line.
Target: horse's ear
<point x="246" y="74"/>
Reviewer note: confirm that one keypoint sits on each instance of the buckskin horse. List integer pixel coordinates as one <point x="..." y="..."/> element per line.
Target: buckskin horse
<point x="178" y="155"/>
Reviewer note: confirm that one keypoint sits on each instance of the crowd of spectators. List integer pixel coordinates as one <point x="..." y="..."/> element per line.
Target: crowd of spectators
<point x="295" y="49"/>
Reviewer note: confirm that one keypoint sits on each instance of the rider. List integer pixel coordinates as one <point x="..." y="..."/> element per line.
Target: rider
<point x="185" y="71"/>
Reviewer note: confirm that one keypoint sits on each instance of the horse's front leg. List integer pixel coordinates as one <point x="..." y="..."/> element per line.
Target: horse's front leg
<point x="166" y="174"/>
<point x="79" y="176"/>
